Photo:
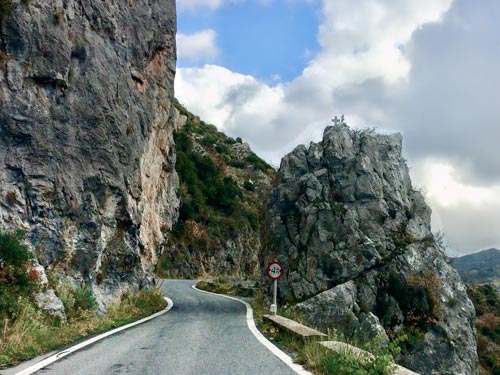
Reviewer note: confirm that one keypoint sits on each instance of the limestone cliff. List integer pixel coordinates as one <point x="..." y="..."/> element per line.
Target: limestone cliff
<point x="354" y="237"/>
<point x="86" y="121"/>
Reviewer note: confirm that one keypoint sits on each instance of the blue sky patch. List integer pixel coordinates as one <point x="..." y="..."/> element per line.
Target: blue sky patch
<point x="263" y="40"/>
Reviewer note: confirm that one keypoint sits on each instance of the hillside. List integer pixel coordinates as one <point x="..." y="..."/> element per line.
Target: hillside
<point x="222" y="187"/>
<point x="480" y="267"/>
<point x="486" y="299"/>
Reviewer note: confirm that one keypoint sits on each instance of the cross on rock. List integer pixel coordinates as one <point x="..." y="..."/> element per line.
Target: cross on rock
<point x="338" y="121"/>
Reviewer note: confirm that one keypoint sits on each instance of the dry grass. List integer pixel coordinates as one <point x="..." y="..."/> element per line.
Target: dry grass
<point x="31" y="332"/>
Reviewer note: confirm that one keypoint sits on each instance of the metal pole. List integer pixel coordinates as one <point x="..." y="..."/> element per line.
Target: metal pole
<point x="274" y="306"/>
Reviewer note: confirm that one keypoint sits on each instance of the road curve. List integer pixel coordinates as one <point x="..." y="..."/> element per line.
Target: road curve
<point x="203" y="334"/>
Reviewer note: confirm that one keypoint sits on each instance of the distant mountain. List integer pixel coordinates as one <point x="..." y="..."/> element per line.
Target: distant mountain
<point x="480" y="267"/>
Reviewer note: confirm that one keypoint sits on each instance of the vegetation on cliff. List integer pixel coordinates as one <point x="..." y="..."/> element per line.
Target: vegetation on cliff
<point x="222" y="187"/>
<point x="27" y="331"/>
<point x="486" y="299"/>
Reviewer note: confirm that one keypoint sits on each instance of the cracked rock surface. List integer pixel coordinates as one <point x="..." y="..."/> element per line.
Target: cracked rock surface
<point x="86" y="150"/>
<point x="354" y="237"/>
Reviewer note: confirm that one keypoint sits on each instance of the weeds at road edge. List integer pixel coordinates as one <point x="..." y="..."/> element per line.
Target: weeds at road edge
<point x="31" y="332"/>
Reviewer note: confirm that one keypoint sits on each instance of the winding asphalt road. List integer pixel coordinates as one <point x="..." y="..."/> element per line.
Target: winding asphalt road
<point x="203" y="334"/>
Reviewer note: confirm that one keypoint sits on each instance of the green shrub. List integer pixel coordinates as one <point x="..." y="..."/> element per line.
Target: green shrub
<point x="240" y="164"/>
<point x="252" y="217"/>
<point x="16" y="278"/>
<point x="13" y="253"/>
<point x="182" y="142"/>
<point x="84" y="299"/>
<point x="203" y="182"/>
<point x="222" y="149"/>
<point x="76" y="301"/>
<point x="257" y="162"/>
<point x="209" y="140"/>
<point x="149" y="301"/>
<point x="249" y="185"/>
<point x="5" y="8"/>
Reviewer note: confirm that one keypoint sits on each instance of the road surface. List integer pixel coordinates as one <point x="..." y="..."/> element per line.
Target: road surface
<point x="203" y="334"/>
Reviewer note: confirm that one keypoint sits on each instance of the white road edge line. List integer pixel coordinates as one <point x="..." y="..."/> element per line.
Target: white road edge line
<point x="56" y="357"/>
<point x="259" y="336"/>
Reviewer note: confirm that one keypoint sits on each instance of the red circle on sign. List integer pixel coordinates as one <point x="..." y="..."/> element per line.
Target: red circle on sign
<point x="274" y="270"/>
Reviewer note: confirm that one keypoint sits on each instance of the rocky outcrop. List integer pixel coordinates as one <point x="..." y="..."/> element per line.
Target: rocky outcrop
<point x="354" y="237"/>
<point x="86" y="120"/>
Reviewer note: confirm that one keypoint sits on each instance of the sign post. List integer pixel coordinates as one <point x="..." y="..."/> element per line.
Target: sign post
<point x="274" y="271"/>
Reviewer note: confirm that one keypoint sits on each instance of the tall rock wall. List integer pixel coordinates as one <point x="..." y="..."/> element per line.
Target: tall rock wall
<point x="86" y="120"/>
<point x="354" y="237"/>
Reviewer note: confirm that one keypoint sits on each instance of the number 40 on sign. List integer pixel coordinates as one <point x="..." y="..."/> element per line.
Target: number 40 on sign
<point x="274" y="271"/>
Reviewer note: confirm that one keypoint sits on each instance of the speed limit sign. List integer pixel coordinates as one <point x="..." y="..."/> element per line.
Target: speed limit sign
<point x="274" y="270"/>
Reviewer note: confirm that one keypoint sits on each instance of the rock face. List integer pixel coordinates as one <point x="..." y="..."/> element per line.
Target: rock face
<point x="355" y="240"/>
<point x="86" y="121"/>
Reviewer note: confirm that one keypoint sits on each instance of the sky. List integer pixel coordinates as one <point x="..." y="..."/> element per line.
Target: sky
<point x="275" y="72"/>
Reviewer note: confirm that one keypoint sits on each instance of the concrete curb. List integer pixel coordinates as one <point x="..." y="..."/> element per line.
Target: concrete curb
<point x="56" y="357"/>
<point x="295" y="328"/>
<point x="298" y="369"/>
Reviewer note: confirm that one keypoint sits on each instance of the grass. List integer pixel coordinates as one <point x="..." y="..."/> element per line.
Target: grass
<point x="26" y="331"/>
<point x="323" y="361"/>
<point x="222" y="285"/>
<point x="31" y="332"/>
<point x="308" y="352"/>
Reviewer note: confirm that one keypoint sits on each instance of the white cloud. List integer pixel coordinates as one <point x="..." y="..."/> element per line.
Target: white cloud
<point x="416" y="66"/>
<point x="359" y="40"/>
<point x="198" y="45"/>
<point x="193" y="4"/>
<point x="444" y="185"/>
<point x="230" y="100"/>
<point x="467" y="213"/>
<point x="362" y="40"/>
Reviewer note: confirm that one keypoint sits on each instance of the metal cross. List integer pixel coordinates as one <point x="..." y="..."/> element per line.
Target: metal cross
<point x="338" y="121"/>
